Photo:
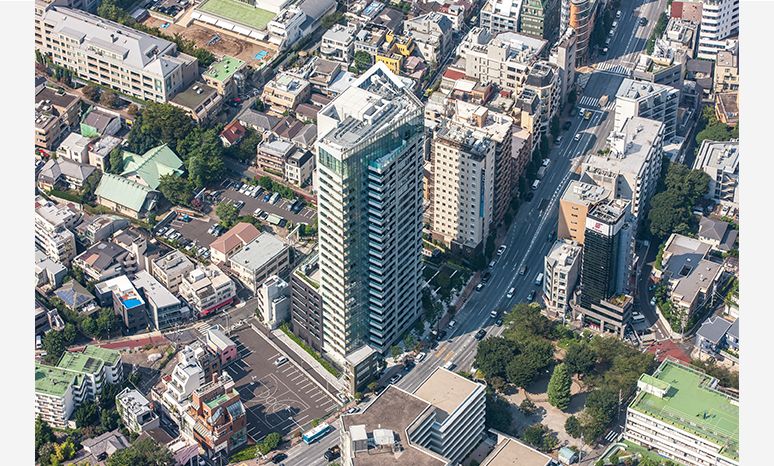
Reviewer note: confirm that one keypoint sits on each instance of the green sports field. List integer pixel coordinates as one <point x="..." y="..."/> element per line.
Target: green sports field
<point x="239" y="12"/>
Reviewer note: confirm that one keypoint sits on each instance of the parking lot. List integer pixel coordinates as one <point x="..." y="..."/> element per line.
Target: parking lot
<point x="193" y="235"/>
<point x="281" y="208"/>
<point x="278" y="399"/>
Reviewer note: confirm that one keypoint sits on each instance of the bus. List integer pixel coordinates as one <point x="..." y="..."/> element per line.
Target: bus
<point x="316" y="433"/>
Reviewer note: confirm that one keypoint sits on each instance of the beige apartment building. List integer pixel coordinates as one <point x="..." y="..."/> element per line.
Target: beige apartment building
<point x="463" y="162"/>
<point x="727" y="72"/>
<point x="574" y="206"/>
<point x="112" y="55"/>
<point x="285" y="92"/>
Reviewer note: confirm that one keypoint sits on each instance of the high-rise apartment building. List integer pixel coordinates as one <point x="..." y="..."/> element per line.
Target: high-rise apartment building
<point x="648" y="100"/>
<point x="580" y="16"/>
<point x="543" y="80"/>
<point x="719" y="23"/>
<point x="369" y="162"/>
<point x="463" y="165"/>
<point x="500" y="15"/>
<point x="563" y="56"/>
<point x="111" y="54"/>
<point x="540" y="18"/>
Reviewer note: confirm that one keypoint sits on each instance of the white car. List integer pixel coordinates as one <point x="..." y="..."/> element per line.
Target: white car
<point x="577" y="137"/>
<point x="509" y="294"/>
<point x="395" y="378"/>
<point x="501" y="250"/>
<point x="420" y="357"/>
<point x="280" y="361"/>
<point x="452" y="324"/>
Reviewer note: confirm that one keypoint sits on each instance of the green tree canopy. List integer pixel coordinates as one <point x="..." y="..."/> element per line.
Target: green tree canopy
<point x="671" y="209"/>
<point x="144" y="451"/>
<point x="43" y="434"/>
<point x="526" y="321"/>
<point x="580" y="358"/>
<point x="159" y="124"/>
<point x="559" y="387"/>
<point x="91" y="92"/>
<point x="176" y="189"/>
<point x="54" y="346"/>
<point x="115" y="161"/>
<point x="573" y="427"/>
<point x="493" y="356"/>
<point x="227" y="213"/>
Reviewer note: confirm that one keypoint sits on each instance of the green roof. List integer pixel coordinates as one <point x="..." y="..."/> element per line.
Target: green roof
<point x="109" y="356"/>
<point x="122" y="191"/>
<point x="80" y="362"/>
<point x="650" y="380"/>
<point x="224" y="68"/>
<point x="152" y="165"/>
<point x="52" y="380"/>
<point x="694" y="406"/>
<point x="220" y="399"/>
<point x="239" y="12"/>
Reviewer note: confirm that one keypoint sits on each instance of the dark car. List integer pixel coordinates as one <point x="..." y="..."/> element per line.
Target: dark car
<point x="531" y="296"/>
<point x="441" y="335"/>
<point x="480" y="334"/>
<point x="643" y="21"/>
<point x="278" y="458"/>
<point x="499" y="322"/>
<point x="529" y="196"/>
<point x="332" y="453"/>
<point x="566" y="125"/>
<point x="486" y="276"/>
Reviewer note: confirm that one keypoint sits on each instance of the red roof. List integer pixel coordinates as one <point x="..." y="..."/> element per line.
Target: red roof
<point x="453" y="74"/>
<point x="669" y="349"/>
<point x="233" y="132"/>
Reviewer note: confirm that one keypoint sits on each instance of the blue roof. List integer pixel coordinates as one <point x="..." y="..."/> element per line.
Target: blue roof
<point x="74" y="295"/>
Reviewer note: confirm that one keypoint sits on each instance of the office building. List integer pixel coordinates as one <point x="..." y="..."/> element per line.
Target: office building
<point x="720" y="160"/>
<point x="126" y="301"/>
<point x="665" y="65"/>
<point x="719" y="27"/>
<point x="79" y="377"/>
<point x="207" y="289"/>
<point x="259" y="259"/>
<point x="216" y="418"/>
<point x="306" y="307"/>
<point x="606" y="268"/>
<point x="370" y="159"/>
<point x="221" y="345"/>
<point x="574" y="205"/>
<point x="274" y="301"/>
<point x="543" y="81"/>
<point x="580" y="17"/>
<point x="463" y="166"/>
<point x="437" y="425"/>
<point x="136" y="411"/>
<point x="170" y="269"/>
<point x="540" y="18"/>
<point x="561" y="269"/>
<point x="500" y="15"/>
<point x="647" y="100"/>
<point x="164" y="309"/>
<point x="53" y="235"/>
<point x="504" y="59"/>
<point x="563" y="56"/>
<point x="631" y="164"/>
<point x="680" y="413"/>
<point x="111" y="54"/>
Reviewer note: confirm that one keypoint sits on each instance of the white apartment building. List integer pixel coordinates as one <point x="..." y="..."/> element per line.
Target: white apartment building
<point x="719" y="23"/>
<point x="680" y="414"/>
<point x="274" y="301"/>
<point x="720" y="160"/>
<point x="500" y="15"/>
<point x="369" y="159"/>
<point x="79" y="377"/>
<point x="74" y="147"/>
<point x="259" y="259"/>
<point x="53" y="235"/>
<point x="561" y="269"/>
<point x="171" y="268"/>
<point x="110" y="54"/>
<point x="463" y="166"/>
<point x="207" y="289"/>
<point x="648" y="100"/>
<point x="338" y="42"/>
<point x="136" y="411"/>
<point x="164" y="308"/>
<point x="187" y="376"/>
<point x="504" y="59"/>
<point x="631" y="168"/>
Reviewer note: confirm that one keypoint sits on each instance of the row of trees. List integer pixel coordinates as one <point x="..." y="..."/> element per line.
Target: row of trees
<point x="101" y="324"/>
<point x="712" y="129"/>
<point x="679" y="189"/>
<point x="658" y="30"/>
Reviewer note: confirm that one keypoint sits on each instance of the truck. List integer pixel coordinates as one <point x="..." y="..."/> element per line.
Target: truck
<point x="587" y="115"/>
<point x="603" y="101"/>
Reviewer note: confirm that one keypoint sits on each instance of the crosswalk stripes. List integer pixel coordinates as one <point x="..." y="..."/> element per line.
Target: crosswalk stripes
<point x="610" y="436"/>
<point x="591" y="102"/>
<point x="614" y="68"/>
<point x="202" y="327"/>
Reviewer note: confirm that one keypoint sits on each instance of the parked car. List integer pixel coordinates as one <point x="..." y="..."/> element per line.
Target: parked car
<point x="280" y="361"/>
<point x="395" y="378"/>
<point x="643" y="21"/>
<point x="566" y="125"/>
<point x="279" y="458"/>
<point x="420" y="357"/>
<point x="480" y="286"/>
<point x="452" y="323"/>
<point x="352" y="410"/>
<point x="501" y="250"/>
<point x="332" y="453"/>
<point x="267" y="196"/>
<point x="486" y="276"/>
<point x="499" y="322"/>
<point x="480" y="334"/>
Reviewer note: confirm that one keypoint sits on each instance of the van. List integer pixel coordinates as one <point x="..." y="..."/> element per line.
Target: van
<point x="535" y="184"/>
<point x="538" y="279"/>
<point x="274" y="198"/>
<point x="637" y="317"/>
<point x="38" y="342"/>
<point x="448" y="366"/>
<point x="523" y="270"/>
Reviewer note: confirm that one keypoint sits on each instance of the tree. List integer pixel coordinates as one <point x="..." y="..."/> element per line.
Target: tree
<point x="108" y="99"/>
<point x="572" y="96"/>
<point x="87" y="414"/>
<point x="498" y="413"/>
<point x="269" y="443"/>
<point x="43" y="434"/>
<point x="395" y="351"/>
<point x="544" y="149"/>
<point x="358" y="396"/>
<point x="132" y="109"/>
<point x="540" y="437"/>
<point x="69" y="333"/>
<point x="580" y="358"/>
<point x="65" y="450"/>
<point x="54" y="346"/>
<point x="528" y="407"/>
<point x="526" y="321"/>
<point x="601" y="408"/>
<point x="116" y="161"/>
<point x="372" y="386"/>
<point x="46" y="453"/>
<point x="573" y="427"/>
<point x="227" y="213"/>
<point x="409" y="341"/>
<point x="106" y="322"/>
<point x="158" y="124"/>
<point x="362" y="60"/>
<point x="91" y="92"/>
<point x="535" y="356"/>
<point x="554" y="126"/>
<point x="176" y="189"/>
<point x="144" y="451"/>
<point x="108" y="419"/>
<point x="90" y="186"/>
<point x="245" y="151"/>
<point x="493" y="355"/>
<point x="559" y="387"/>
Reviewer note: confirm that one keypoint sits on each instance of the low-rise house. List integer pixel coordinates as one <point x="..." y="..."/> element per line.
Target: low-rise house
<point x="136" y="411"/>
<point x="55" y="113"/>
<point x="125" y="196"/>
<point x="225" y="76"/>
<point x="221" y="345"/>
<point x="171" y="268"/>
<point x="99" y="228"/>
<point x="284" y="92"/>
<point x="338" y="42"/>
<point x="199" y="100"/>
<point x="259" y="121"/>
<point x="207" y="289"/>
<point x="74" y="147"/>
<point x="98" y="122"/>
<point x="263" y="257"/>
<point x="64" y="174"/>
<point x="299" y="167"/>
<point x="718" y="234"/>
<point x="232" y="242"/>
<point x="328" y="78"/>
<point x="97" y="450"/>
<point x="148" y="168"/>
<point x="76" y="297"/>
<point x="232" y="133"/>
<point x="126" y="301"/>
<point x="100" y="149"/>
<point x="711" y="336"/>
<point x="77" y="378"/>
<point x="47" y="271"/>
<point x="106" y="260"/>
